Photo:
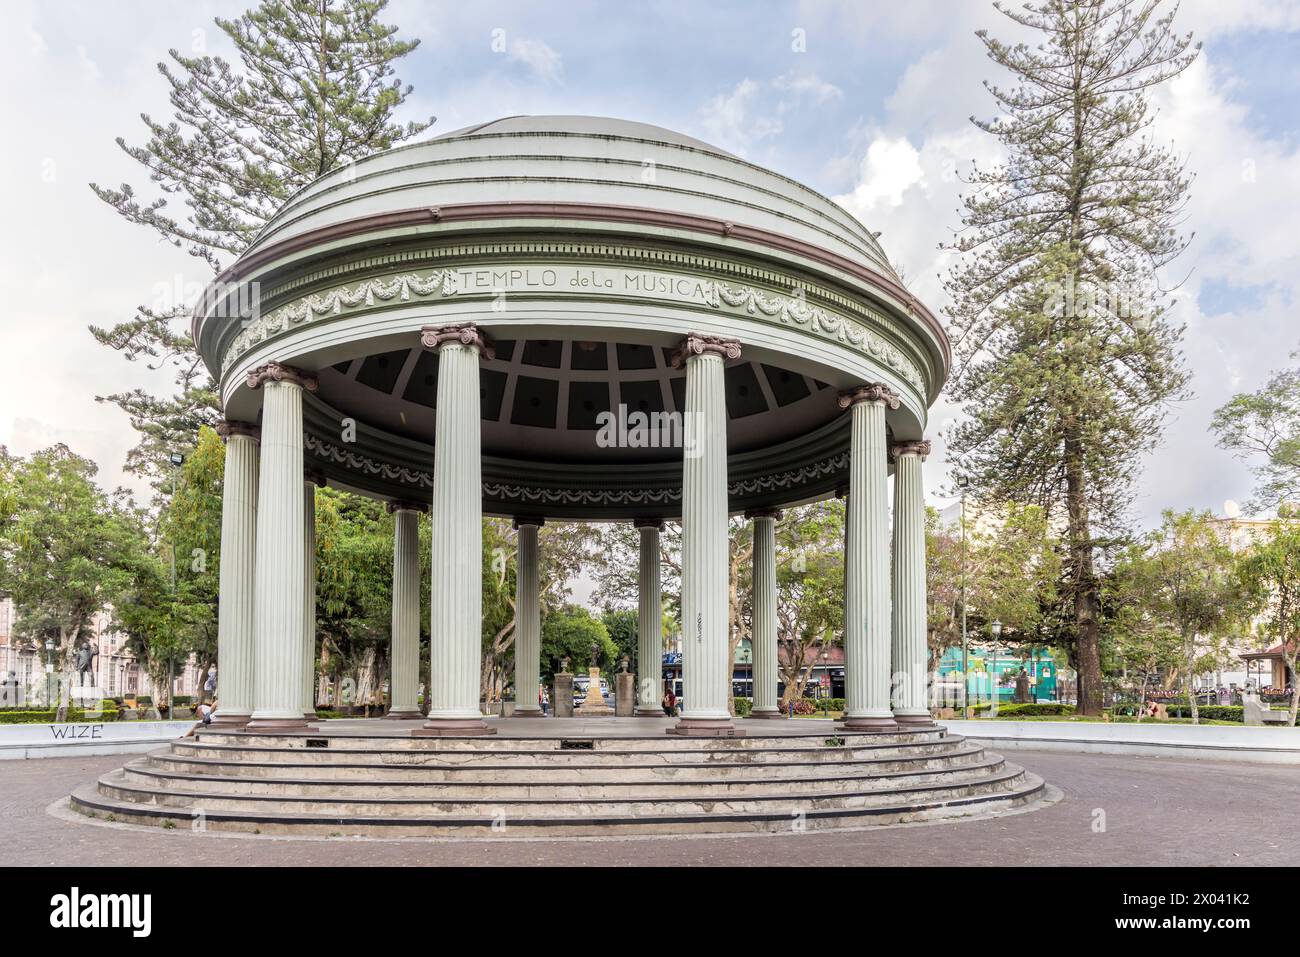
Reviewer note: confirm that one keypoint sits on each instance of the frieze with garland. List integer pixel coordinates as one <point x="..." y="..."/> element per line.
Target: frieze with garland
<point x="444" y="283"/>
<point x="785" y="480"/>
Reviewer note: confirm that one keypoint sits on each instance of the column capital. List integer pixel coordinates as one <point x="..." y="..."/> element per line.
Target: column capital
<point x="774" y="513"/>
<point x="404" y="505"/>
<point x="698" y="344"/>
<point x="656" y="523"/>
<point x="228" y="427"/>
<point x="527" y="520"/>
<point x="871" y="392"/>
<point x="279" y="372"/>
<point x="463" y="333"/>
<point x="919" y="447"/>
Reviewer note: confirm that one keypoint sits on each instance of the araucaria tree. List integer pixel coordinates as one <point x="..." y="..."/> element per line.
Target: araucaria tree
<point x="1065" y="357"/>
<point x="316" y="92"/>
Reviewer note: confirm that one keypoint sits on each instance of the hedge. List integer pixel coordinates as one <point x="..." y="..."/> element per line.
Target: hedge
<point x="50" y="716"/>
<point x="743" y="707"/>
<point x="1209" y="712"/>
<point x="1027" y="709"/>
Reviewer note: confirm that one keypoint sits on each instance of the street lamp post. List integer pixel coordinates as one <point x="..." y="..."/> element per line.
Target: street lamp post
<point x="49" y="672"/>
<point x="962" y="483"/>
<point x="996" y="628"/>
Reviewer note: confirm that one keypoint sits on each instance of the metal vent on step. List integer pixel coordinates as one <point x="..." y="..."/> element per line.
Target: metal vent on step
<point x="575" y="745"/>
<point x="318" y="742"/>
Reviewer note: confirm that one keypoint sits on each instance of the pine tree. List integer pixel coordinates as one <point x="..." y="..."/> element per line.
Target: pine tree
<point x="1066" y="359"/>
<point x="316" y="91"/>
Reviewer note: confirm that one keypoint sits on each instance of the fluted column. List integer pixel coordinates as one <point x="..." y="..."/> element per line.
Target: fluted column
<point x="706" y="668"/>
<point x="764" y="631"/>
<point x="650" y="630"/>
<point x="310" y="482"/>
<point x="867" y="618"/>
<point x="404" y="655"/>
<point x="280" y="610"/>
<point x="528" y="616"/>
<point x="456" y="615"/>
<point x="238" y="551"/>
<point x="910" y="698"/>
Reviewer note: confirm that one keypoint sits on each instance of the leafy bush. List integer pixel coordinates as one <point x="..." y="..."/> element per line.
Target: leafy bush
<point x="50" y="716"/>
<point x="743" y="707"/>
<point x="1028" y="710"/>
<point x="805" y="706"/>
<point x="1209" y="712"/>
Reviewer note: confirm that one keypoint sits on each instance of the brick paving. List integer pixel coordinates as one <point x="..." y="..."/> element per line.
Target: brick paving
<point x="1158" y="811"/>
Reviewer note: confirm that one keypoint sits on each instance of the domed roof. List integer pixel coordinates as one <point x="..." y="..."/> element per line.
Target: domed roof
<point x="586" y="126"/>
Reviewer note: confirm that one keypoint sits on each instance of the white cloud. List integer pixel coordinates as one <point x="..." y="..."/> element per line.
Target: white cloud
<point x="545" y="64"/>
<point x="755" y="110"/>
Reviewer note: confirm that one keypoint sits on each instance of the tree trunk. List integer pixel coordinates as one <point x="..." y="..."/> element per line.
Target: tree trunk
<point x="1084" y="583"/>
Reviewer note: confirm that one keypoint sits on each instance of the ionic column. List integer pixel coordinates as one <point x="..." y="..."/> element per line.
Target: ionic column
<point x="649" y="632"/>
<point x="404" y="655"/>
<point x="280" y="608"/>
<point x="528" y="621"/>
<point x="764" y="629"/>
<point x="310" y="483"/>
<point x="910" y="612"/>
<point x="867" y="617"/>
<point x="238" y="551"/>
<point x="706" y="668"/>
<point x="456" y="618"/>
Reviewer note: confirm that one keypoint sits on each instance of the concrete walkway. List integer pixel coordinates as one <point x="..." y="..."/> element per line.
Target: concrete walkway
<point x="1117" y="810"/>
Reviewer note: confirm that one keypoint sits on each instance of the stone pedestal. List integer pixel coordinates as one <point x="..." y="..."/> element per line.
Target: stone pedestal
<point x="593" y="704"/>
<point x="625" y="695"/>
<point x="562" y="695"/>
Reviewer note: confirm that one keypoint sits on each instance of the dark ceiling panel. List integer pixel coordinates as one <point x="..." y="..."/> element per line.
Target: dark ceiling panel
<point x="679" y="392"/>
<point x="422" y="387"/>
<point x="744" y="397"/>
<point x="586" y="401"/>
<point x="543" y="352"/>
<point x="786" y="386"/>
<point x="381" y="371"/>
<point x="591" y="356"/>
<point x="504" y="349"/>
<point x="633" y="356"/>
<point x="642" y="396"/>
<point x="491" y="392"/>
<point x="535" y="401"/>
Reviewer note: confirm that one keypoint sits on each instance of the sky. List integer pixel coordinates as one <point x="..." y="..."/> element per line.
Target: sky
<point x="867" y="102"/>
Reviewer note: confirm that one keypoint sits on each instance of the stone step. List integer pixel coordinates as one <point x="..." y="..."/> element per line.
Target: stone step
<point x="588" y="787"/>
<point x="343" y="749"/>
<point x="325" y="739"/>
<point x="1018" y="789"/>
<point x="954" y="786"/>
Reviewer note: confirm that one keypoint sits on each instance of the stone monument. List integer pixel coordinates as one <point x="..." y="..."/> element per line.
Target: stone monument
<point x="594" y="703"/>
<point x="562" y="691"/>
<point x="624" y="691"/>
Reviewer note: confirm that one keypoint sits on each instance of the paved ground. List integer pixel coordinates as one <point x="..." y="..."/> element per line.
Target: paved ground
<point x="1158" y="811"/>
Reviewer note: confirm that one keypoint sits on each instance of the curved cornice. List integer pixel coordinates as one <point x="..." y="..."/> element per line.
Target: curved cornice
<point x="588" y="212"/>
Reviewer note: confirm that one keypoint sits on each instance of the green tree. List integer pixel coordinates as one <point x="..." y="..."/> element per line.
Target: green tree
<point x="1270" y="571"/>
<point x="1066" y="359"/>
<point x="1014" y="566"/>
<point x="1184" y="575"/>
<point x="943" y="582"/>
<point x="623" y="628"/>
<point x="810" y="590"/>
<point x="316" y="91"/>
<point x="1266" y="425"/>
<point x="68" y="549"/>
<point x="570" y="631"/>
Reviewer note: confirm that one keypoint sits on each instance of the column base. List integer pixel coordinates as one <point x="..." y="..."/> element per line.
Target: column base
<point x="234" y="722"/>
<point x="277" y="725"/>
<point x="404" y="714"/>
<point x="706" y="728"/>
<point x="767" y="714"/>
<point x="528" y="713"/>
<point x="914" y="721"/>
<point x="870" y="724"/>
<point x="452" y="728"/>
<point x="648" y="712"/>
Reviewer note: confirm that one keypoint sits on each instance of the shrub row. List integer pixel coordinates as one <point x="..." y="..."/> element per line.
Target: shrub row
<point x="50" y="716"/>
